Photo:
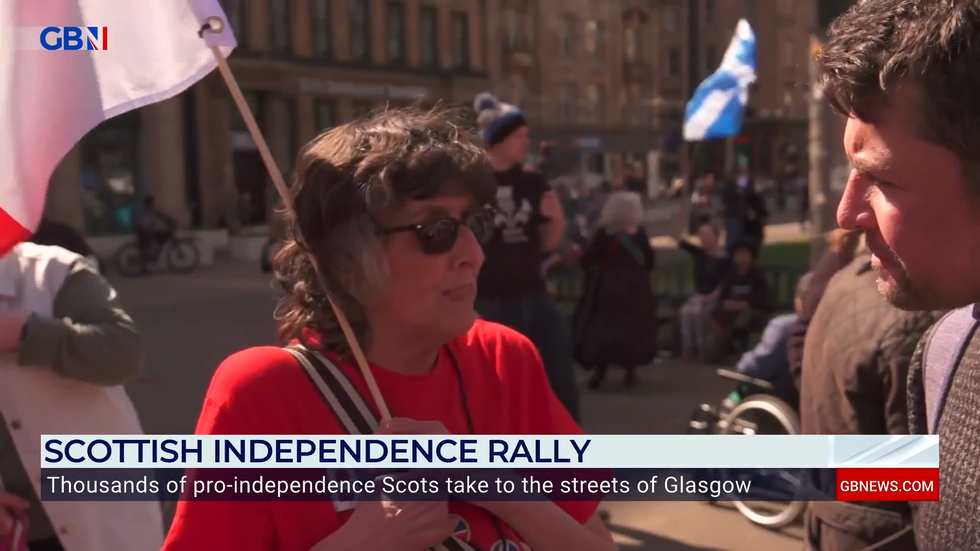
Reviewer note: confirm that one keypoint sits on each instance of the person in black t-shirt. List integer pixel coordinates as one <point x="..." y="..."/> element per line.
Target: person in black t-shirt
<point x="741" y="299"/>
<point x="529" y="223"/>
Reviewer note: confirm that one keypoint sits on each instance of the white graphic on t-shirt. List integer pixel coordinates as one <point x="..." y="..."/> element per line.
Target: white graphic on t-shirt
<point x="510" y="219"/>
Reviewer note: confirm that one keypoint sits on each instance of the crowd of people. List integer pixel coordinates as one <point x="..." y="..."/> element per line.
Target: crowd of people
<point x="389" y="221"/>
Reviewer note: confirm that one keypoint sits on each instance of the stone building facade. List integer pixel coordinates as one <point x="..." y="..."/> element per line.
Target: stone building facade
<point x="304" y="66"/>
<point x="606" y="81"/>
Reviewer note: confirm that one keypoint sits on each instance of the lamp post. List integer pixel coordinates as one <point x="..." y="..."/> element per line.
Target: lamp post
<point x="822" y="210"/>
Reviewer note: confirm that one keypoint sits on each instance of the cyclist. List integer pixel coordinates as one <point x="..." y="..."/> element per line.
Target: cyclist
<point x="153" y="230"/>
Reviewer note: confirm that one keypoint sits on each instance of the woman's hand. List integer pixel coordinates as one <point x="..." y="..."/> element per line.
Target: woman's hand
<point x="393" y="525"/>
<point x="10" y="507"/>
<point x="396" y="525"/>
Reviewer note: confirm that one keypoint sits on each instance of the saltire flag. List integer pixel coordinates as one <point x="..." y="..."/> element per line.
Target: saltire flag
<point x="718" y="105"/>
<point x="150" y="51"/>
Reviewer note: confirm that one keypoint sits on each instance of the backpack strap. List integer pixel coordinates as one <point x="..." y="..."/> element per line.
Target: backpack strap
<point x="940" y="358"/>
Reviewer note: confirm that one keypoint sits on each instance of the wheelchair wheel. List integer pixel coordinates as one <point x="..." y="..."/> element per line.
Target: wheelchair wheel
<point x="780" y="490"/>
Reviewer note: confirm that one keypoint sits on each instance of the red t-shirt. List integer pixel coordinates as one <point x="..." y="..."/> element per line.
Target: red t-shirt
<point x="264" y="391"/>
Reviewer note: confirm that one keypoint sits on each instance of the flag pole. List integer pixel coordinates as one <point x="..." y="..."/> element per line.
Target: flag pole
<point x="216" y="25"/>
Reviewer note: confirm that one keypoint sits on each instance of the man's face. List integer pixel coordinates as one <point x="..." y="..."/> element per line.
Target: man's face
<point x="743" y="259"/>
<point x="916" y="207"/>
<point x="514" y="147"/>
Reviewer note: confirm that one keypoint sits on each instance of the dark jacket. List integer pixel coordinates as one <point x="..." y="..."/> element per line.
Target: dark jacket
<point x="829" y="264"/>
<point x="615" y="321"/>
<point x="709" y="270"/>
<point x="855" y="366"/>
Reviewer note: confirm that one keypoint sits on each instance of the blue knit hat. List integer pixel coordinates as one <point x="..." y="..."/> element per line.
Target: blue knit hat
<point x="498" y="120"/>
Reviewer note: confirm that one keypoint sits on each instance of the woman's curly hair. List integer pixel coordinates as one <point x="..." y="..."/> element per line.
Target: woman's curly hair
<point x="343" y="179"/>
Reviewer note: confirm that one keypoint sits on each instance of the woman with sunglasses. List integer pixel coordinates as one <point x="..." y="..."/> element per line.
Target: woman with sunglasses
<point x="529" y="225"/>
<point x="390" y="211"/>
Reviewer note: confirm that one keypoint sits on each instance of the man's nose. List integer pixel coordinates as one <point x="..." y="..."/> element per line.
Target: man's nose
<point x="854" y="211"/>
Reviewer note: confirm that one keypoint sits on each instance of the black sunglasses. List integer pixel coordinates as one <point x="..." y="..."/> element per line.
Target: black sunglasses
<point x="439" y="236"/>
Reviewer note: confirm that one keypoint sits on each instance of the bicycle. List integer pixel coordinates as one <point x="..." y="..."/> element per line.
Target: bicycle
<point x="177" y="255"/>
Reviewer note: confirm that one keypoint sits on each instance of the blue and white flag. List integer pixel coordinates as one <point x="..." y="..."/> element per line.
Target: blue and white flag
<point x="717" y="107"/>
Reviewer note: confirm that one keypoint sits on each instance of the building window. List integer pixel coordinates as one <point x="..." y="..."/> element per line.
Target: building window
<point x="460" y="27"/>
<point x="361" y="108"/>
<point x="566" y="35"/>
<point x="597" y="102"/>
<point x="670" y="17"/>
<point x="395" y="30"/>
<point x="110" y="181"/>
<point x="326" y="115"/>
<point x="673" y="65"/>
<point x="322" y="44"/>
<point x="594" y="40"/>
<point x="631" y="43"/>
<point x="710" y="12"/>
<point x="428" y="36"/>
<point x="360" y="30"/>
<point x="237" y="13"/>
<point x="567" y="103"/>
<point x="518" y="35"/>
<point x="710" y="60"/>
<point x="280" y="20"/>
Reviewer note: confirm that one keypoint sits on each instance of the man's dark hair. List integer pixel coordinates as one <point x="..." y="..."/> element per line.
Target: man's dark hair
<point x="934" y="44"/>
<point x="746" y="245"/>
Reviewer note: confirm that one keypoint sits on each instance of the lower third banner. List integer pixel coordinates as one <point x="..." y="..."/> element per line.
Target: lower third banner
<point x="259" y="484"/>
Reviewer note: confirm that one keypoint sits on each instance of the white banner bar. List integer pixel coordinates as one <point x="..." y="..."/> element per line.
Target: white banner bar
<point x="486" y="451"/>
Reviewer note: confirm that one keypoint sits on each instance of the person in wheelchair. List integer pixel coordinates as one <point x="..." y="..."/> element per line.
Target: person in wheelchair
<point x="741" y="303"/>
<point x="769" y="360"/>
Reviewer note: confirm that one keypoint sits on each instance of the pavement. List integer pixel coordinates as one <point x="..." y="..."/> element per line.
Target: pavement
<point x="191" y="323"/>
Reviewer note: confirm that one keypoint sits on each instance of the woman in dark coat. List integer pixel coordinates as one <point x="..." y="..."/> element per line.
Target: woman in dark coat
<point x="615" y="322"/>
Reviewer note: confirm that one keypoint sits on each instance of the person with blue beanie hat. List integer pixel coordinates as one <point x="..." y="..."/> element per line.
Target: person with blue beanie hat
<point x="529" y="225"/>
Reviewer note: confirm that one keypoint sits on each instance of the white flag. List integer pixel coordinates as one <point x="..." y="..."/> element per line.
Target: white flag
<point x="115" y="56"/>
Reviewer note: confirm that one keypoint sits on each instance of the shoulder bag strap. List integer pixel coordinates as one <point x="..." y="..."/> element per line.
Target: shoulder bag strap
<point x="353" y="412"/>
<point x="940" y="358"/>
<point x="336" y="388"/>
<point x="343" y="399"/>
<point x="631" y="247"/>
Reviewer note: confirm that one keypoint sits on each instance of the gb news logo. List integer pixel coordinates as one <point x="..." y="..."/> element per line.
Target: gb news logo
<point x="75" y="38"/>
